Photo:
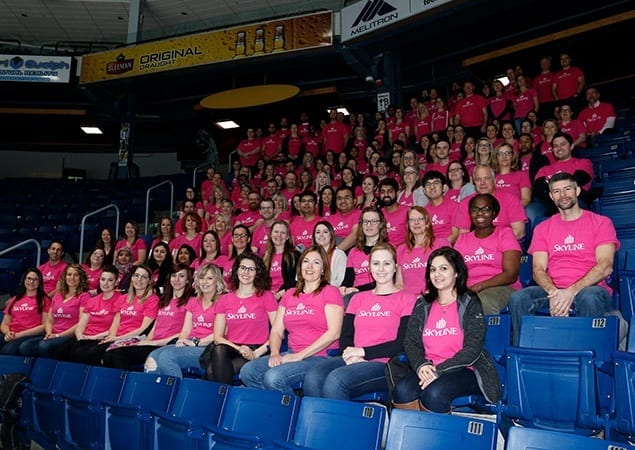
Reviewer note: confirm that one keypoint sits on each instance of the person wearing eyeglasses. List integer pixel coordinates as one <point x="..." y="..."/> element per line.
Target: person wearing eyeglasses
<point x="241" y="242"/>
<point x="22" y="318"/>
<point x="458" y="180"/>
<point x="574" y="127"/>
<point x="198" y="327"/>
<point x="312" y="315"/>
<point x="371" y="230"/>
<point x="508" y="176"/>
<point x="491" y="254"/>
<point x="440" y="208"/>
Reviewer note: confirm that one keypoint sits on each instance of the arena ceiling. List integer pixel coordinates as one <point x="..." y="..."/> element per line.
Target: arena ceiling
<point x="431" y="50"/>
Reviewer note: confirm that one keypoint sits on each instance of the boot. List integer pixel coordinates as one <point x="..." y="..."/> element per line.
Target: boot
<point x="413" y="405"/>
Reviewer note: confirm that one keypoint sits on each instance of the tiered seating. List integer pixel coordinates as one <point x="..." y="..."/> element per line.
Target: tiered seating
<point x="531" y="439"/>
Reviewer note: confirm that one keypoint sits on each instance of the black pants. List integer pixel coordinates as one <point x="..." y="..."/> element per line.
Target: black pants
<point x="225" y="363"/>
<point x="128" y="358"/>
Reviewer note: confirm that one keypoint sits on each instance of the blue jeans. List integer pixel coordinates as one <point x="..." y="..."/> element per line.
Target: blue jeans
<point x="171" y="359"/>
<point x="334" y="379"/>
<point x="38" y="346"/>
<point x="13" y="347"/>
<point x="591" y="301"/>
<point x="439" y="394"/>
<point x="257" y="373"/>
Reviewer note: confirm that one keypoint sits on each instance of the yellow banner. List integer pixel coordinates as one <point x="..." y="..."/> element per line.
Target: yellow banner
<point x="252" y="40"/>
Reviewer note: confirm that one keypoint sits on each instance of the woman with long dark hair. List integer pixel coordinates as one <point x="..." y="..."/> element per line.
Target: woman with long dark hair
<point x="281" y="258"/>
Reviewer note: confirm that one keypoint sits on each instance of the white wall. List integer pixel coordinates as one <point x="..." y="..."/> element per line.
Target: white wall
<point x="17" y="164"/>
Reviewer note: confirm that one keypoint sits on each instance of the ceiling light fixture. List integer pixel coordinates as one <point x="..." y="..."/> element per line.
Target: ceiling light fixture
<point x="227" y="124"/>
<point x="339" y="109"/>
<point x="92" y="130"/>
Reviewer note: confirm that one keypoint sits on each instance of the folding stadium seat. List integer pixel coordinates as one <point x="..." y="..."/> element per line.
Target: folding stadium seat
<point x="197" y="403"/>
<point x="627" y="293"/>
<point x="49" y="406"/>
<point x="624" y="421"/>
<point x="40" y="377"/>
<point x="128" y="425"/>
<point x="254" y="418"/>
<point x="532" y="439"/>
<point x="15" y="364"/>
<point x="616" y="168"/>
<point x="10" y="273"/>
<point x="631" y="336"/>
<point x="526" y="273"/>
<point x="620" y="209"/>
<point x="431" y="431"/>
<point x="559" y="376"/>
<point x="86" y="413"/>
<point x="325" y="424"/>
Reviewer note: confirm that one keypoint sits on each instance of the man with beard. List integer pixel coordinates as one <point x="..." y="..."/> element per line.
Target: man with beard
<point x="528" y="158"/>
<point x="396" y="215"/>
<point x="249" y="217"/>
<point x="301" y="227"/>
<point x="345" y="220"/>
<point x="260" y="233"/>
<point x="573" y="253"/>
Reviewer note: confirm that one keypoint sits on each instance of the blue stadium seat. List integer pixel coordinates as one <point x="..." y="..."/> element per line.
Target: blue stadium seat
<point x="15" y="364"/>
<point x="86" y="414"/>
<point x="532" y="439"/>
<point x="624" y="421"/>
<point x="417" y="430"/>
<point x="526" y="273"/>
<point x="128" y="424"/>
<point x="11" y="269"/>
<point x="254" y="418"/>
<point x="619" y="208"/>
<point x="326" y="424"/>
<point x="627" y="293"/>
<point x="197" y="403"/>
<point x="49" y="406"/>
<point x="631" y="336"/>
<point x="40" y="377"/>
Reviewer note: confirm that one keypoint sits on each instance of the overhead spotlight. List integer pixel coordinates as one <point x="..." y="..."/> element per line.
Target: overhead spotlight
<point x="89" y="129"/>
<point x="227" y="124"/>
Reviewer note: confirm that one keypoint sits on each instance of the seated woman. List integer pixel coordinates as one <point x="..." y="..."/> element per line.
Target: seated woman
<point x="491" y="253"/>
<point x="22" y="318"/>
<point x="132" y="240"/>
<point x="371" y="230"/>
<point x="170" y="316"/>
<point x="324" y="236"/>
<point x="165" y="232"/>
<point x="191" y="234"/>
<point x="94" y="322"/>
<point x="106" y="242"/>
<point x="509" y="178"/>
<point x="373" y="331"/>
<point x="123" y="264"/>
<point x="185" y="255"/>
<point x="459" y="183"/>
<point x="134" y="313"/>
<point x="281" y="258"/>
<point x="93" y="267"/>
<point x="160" y="261"/>
<point x="210" y="251"/>
<point x="310" y="335"/>
<point x="243" y="317"/>
<point x="62" y="314"/>
<point x="198" y="327"/>
<point x="444" y="342"/>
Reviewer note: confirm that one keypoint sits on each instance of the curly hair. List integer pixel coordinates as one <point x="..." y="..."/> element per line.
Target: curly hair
<point x="262" y="281"/>
<point x="82" y="287"/>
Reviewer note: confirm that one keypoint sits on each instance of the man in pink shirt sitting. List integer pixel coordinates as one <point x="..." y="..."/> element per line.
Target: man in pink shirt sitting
<point x="598" y="116"/>
<point x="53" y="268"/>
<point x="573" y="253"/>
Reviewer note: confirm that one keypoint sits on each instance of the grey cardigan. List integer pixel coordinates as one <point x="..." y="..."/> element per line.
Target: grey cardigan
<point x="472" y="354"/>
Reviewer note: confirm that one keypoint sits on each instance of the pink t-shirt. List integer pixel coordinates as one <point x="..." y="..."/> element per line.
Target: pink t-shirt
<point x="259" y="238"/>
<point x="275" y="271"/>
<point x="202" y="319"/>
<point x="440" y="120"/>
<point x="442" y="334"/>
<point x="358" y="261"/>
<point x="302" y="230"/>
<point x="271" y="146"/>
<point x="497" y="106"/>
<point x="570" y="245"/>
<point x="305" y="317"/>
<point x="170" y="319"/>
<point x="132" y="314"/>
<point x="574" y="128"/>
<point x="377" y="317"/>
<point x="543" y="83"/>
<point x="333" y="134"/>
<point x="566" y="82"/>
<point x="225" y="242"/>
<point x="511" y="211"/>
<point x="139" y="244"/>
<point x="195" y="243"/>
<point x="24" y="313"/>
<point x="413" y="264"/>
<point x="524" y="102"/>
<point x="248" y="146"/>
<point x="470" y="110"/>
<point x="101" y="312"/>
<point x="93" y="276"/>
<point x="248" y="218"/>
<point x="422" y="127"/>
<point x="343" y="223"/>
<point x="66" y="313"/>
<point x="484" y="257"/>
<point x="247" y="319"/>
<point x="396" y="223"/>
<point x="568" y="166"/>
<point x="441" y="217"/>
<point x="512" y="182"/>
<point x="51" y="274"/>
<point x="595" y="117"/>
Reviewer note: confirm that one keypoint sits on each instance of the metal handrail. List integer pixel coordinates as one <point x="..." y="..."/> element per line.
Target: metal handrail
<point x="145" y="230"/>
<point x="81" y="233"/>
<point x="22" y="244"/>
<point x="196" y="169"/>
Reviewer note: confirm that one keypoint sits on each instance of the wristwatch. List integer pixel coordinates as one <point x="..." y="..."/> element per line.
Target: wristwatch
<point x="196" y="341"/>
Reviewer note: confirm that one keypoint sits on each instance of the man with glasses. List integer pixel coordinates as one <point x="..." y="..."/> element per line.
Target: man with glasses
<point x="573" y="253"/>
<point x="261" y="231"/>
<point x="512" y="213"/>
<point x="440" y="209"/>
<point x="302" y="227"/>
<point x="53" y="268"/>
<point x="346" y="218"/>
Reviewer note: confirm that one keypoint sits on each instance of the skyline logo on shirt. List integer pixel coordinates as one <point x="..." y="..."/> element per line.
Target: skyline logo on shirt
<point x="101" y="312"/>
<point x="568" y="245"/>
<point x="440" y="329"/>
<point x="441" y="323"/>
<point x="24" y="307"/>
<point x="200" y="318"/>
<point x="478" y="256"/>
<point x="241" y="314"/>
<point x="375" y="311"/>
<point x="436" y="221"/>
<point x="300" y="310"/>
<point x="416" y="263"/>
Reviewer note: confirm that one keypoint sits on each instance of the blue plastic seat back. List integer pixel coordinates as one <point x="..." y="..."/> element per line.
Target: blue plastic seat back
<point x="269" y="415"/>
<point x="631" y="336"/>
<point x="339" y="425"/>
<point x="149" y="391"/>
<point x="526" y="274"/>
<point x="627" y="294"/>
<point x="552" y="389"/>
<point x="599" y="334"/>
<point x="624" y="421"/>
<point x="521" y="438"/>
<point x="417" y="430"/>
<point x="498" y="335"/>
<point x="15" y="364"/>
<point x="41" y="377"/>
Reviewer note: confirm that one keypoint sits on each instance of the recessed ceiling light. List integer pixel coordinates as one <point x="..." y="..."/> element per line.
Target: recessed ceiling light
<point x="92" y="130"/>
<point x="183" y="13"/>
<point x="24" y="15"/>
<point x="227" y="124"/>
<point x="339" y="109"/>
